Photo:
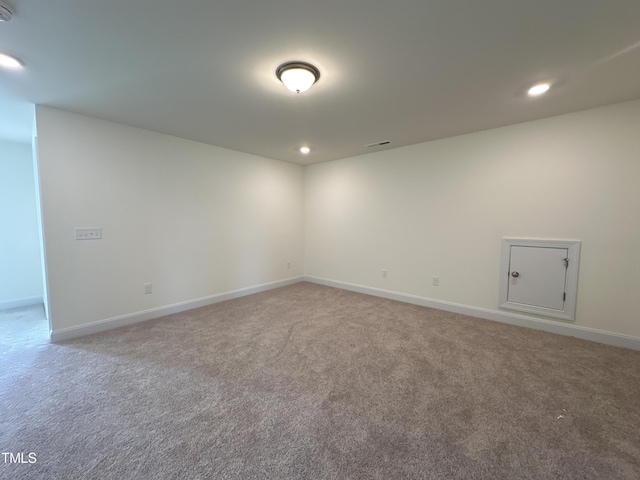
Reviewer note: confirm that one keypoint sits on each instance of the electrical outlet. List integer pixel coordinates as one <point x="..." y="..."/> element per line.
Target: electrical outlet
<point x="88" y="233"/>
<point x="147" y="288"/>
<point x="385" y="274"/>
<point x="435" y="281"/>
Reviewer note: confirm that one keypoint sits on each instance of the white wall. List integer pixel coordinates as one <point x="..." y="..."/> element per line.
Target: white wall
<point x="20" y="266"/>
<point x="192" y="219"/>
<point x="441" y="209"/>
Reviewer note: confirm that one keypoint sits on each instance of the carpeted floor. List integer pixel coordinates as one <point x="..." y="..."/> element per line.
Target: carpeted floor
<point x="311" y="382"/>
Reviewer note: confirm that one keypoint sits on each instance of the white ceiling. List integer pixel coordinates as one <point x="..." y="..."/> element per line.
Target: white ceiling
<point x="406" y="71"/>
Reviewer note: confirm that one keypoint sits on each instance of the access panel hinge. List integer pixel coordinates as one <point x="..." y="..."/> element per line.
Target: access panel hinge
<point x="564" y="297"/>
<point x="566" y="263"/>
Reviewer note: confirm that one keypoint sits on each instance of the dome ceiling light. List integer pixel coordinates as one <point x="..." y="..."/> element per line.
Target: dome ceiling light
<point x="297" y="76"/>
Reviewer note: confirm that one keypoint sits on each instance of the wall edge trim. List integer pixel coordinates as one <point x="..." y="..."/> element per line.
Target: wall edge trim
<point x="142" y="316"/>
<point x="551" y="326"/>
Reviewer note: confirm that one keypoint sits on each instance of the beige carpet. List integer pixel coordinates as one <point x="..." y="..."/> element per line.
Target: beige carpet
<point x="311" y="382"/>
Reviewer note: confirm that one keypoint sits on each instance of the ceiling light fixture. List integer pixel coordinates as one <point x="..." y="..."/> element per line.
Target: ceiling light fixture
<point x="304" y="150"/>
<point x="297" y="76"/>
<point x="7" y="61"/>
<point x="538" y="89"/>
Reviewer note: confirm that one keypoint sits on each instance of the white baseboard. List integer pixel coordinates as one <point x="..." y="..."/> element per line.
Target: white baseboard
<point x="129" y="319"/>
<point x="20" y="302"/>
<point x="585" y="333"/>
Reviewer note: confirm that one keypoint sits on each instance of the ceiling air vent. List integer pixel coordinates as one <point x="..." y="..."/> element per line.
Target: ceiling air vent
<point x="6" y="12"/>
<point x="378" y="144"/>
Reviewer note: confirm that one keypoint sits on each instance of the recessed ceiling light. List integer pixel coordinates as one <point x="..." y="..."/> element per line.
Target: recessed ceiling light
<point x="538" y="89"/>
<point x="304" y="150"/>
<point x="297" y="76"/>
<point x="7" y="61"/>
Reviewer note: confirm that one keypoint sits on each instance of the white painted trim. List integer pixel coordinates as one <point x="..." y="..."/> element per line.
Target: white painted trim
<point x="20" y="302"/>
<point x="129" y="319"/>
<point x="584" y="333"/>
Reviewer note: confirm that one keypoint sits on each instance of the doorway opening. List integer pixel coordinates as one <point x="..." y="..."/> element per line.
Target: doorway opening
<point x="23" y="305"/>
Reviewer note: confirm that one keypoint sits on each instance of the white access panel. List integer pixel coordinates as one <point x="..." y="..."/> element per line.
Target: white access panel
<point x="540" y="276"/>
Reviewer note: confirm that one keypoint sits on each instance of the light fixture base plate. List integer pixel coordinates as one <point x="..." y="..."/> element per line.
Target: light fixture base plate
<point x="304" y="65"/>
